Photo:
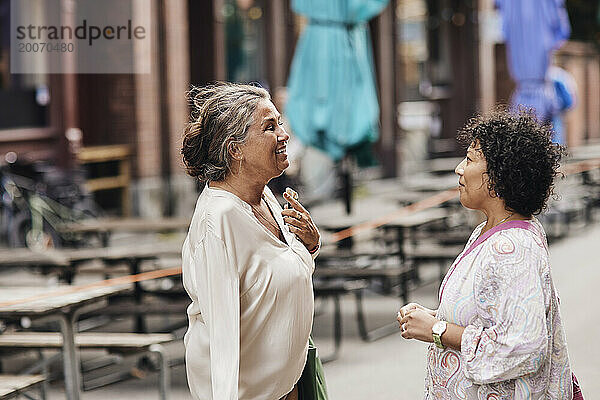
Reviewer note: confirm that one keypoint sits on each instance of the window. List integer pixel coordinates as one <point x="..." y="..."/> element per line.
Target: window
<point x="24" y="98"/>
<point x="423" y="48"/>
<point x="413" y="51"/>
<point x="244" y="38"/>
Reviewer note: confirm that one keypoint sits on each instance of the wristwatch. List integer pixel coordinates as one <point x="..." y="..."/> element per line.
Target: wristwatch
<point x="438" y="330"/>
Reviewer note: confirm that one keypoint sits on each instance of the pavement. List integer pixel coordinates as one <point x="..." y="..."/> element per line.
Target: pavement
<point x="393" y="368"/>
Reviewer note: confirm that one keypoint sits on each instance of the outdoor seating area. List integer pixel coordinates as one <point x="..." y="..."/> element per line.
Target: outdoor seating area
<point x="12" y="386"/>
<point x="124" y="298"/>
<point x="190" y="192"/>
<point x="391" y="254"/>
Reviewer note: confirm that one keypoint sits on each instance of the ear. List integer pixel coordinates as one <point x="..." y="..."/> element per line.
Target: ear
<point x="234" y="151"/>
<point x="491" y="190"/>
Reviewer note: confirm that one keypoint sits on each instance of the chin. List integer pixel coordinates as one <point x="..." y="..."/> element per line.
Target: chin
<point x="283" y="166"/>
<point x="465" y="202"/>
<point x="470" y="204"/>
<point x="279" y="172"/>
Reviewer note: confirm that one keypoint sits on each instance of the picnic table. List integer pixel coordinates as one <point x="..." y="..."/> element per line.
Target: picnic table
<point x="60" y="303"/>
<point x="12" y="386"/>
<point x="24" y="257"/>
<point x="124" y="343"/>
<point x="417" y="186"/>
<point x="402" y="225"/>
<point x="341" y="263"/>
<point x="106" y="226"/>
<point x="443" y="165"/>
<point x="431" y="183"/>
<point x="581" y="153"/>
<point x="67" y="261"/>
<point x="332" y="218"/>
<point x="132" y="255"/>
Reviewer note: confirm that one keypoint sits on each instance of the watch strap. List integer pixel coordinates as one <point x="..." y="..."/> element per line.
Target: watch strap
<point x="437" y="333"/>
<point x="437" y="339"/>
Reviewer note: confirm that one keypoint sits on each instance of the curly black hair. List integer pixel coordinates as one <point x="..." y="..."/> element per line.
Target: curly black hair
<point x="522" y="161"/>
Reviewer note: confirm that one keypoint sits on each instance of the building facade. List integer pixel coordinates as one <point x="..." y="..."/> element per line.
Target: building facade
<point x="437" y="62"/>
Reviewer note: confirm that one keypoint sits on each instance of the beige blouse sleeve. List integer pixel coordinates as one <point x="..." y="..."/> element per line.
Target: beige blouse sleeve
<point x="219" y="280"/>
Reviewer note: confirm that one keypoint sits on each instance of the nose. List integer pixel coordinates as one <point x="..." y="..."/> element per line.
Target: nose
<point x="460" y="168"/>
<point x="283" y="135"/>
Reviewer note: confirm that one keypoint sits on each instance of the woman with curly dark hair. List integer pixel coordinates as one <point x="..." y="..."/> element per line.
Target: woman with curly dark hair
<point x="497" y="333"/>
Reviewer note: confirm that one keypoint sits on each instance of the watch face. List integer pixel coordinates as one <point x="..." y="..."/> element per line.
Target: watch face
<point x="439" y="327"/>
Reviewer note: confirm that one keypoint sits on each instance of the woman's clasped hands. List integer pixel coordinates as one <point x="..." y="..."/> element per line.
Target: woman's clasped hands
<point x="416" y="322"/>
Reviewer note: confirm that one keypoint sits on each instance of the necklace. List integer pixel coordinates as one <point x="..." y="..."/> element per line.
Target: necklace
<point x="504" y="219"/>
<point x="483" y="230"/>
<point x="258" y="213"/>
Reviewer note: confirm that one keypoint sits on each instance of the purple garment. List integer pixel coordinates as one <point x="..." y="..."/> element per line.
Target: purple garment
<point x="532" y="29"/>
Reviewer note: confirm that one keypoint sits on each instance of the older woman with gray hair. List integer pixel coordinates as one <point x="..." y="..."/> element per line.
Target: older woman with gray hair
<point x="247" y="263"/>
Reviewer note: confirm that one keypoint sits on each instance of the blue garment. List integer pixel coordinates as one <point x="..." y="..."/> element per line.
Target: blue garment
<point x="332" y="103"/>
<point x="532" y="29"/>
<point x="565" y="91"/>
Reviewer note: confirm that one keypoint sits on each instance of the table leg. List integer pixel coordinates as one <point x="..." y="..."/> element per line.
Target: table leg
<point x="400" y="241"/>
<point x="375" y="334"/>
<point x="164" y="378"/>
<point x="105" y="237"/>
<point x="71" y="360"/>
<point x="140" y="323"/>
<point x="337" y="329"/>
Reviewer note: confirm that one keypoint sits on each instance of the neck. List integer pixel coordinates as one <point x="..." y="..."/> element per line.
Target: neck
<point x="248" y="190"/>
<point x="497" y="214"/>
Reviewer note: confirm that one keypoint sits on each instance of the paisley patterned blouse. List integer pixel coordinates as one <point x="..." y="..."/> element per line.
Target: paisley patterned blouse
<point x="514" y="345"/>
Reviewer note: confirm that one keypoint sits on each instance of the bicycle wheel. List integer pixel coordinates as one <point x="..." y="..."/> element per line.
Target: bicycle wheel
<point x="22" y="235"/>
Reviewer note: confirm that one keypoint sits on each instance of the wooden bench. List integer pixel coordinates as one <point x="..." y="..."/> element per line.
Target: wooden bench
<point x="106" y="226"/>
<point x="369" y="274"/>
<point x="109" y="154"/>
<point x="12" y="386"/>
<point x="23" y="257"/>
<point x="115" y="342"/>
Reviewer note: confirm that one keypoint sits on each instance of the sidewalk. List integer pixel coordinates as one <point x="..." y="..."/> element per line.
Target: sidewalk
<point x="393" y="368"/>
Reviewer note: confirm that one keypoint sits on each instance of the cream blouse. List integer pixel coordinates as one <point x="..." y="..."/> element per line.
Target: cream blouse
<point x="252" y="301"/>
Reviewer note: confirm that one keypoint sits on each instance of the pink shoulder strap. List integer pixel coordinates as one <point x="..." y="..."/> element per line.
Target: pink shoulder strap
<point x="527" y="225"/>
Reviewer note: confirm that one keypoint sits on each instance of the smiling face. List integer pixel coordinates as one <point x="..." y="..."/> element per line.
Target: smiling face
<point x="473" y="180"/>
<point x="264" y="154"/>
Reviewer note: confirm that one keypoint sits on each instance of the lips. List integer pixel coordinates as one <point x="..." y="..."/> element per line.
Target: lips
<point x="281" y="151"/>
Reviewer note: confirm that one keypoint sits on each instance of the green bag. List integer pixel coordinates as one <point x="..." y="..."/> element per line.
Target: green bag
<point x="311" y="385"/>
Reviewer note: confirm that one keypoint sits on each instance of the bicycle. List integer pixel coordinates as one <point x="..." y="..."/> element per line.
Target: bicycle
<point x="35" y="206"/>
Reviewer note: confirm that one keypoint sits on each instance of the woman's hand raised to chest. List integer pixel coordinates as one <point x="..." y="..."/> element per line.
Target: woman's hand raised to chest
<point x="300" y="222"/>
